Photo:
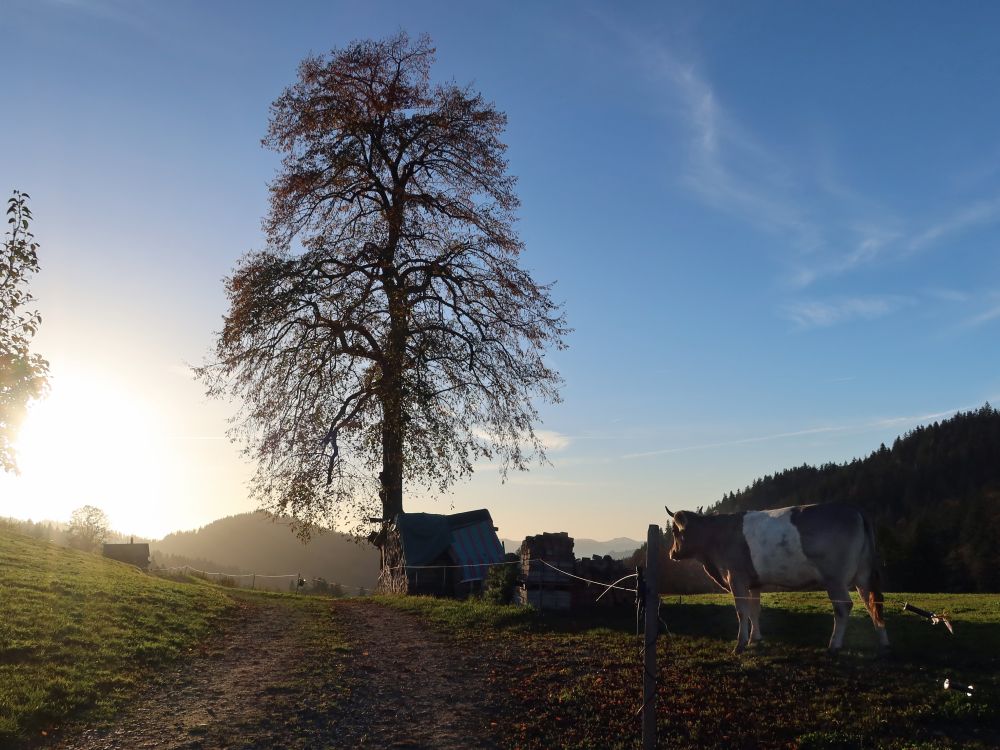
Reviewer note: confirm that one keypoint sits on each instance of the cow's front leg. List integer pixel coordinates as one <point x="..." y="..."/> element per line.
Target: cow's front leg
<point x="840" y="597"/>
<point x="741" y="597"/>
<point x="756" y="636"/>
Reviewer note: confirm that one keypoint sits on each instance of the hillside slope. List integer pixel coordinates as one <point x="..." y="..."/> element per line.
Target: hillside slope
<point x="934" y="497"/>
<point x="253" y="543"/>
<point x="79" y="632"/>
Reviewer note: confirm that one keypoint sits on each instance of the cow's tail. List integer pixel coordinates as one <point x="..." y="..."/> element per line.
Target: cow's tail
<point x="875" y="603"/>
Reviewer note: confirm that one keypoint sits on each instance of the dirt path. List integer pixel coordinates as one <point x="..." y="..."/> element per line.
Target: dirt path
<point x="246" y="688"/>
<point x="266" y="682"/>
<point x="412" y="688"/>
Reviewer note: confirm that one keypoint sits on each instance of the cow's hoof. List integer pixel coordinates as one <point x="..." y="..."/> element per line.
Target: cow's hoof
<point x="884" y="653"/>
<point x="833" y="653"/>
<point x="740" y="648"/>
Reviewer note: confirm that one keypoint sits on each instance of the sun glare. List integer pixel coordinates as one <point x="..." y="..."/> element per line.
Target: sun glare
<point x="93" y="442"/>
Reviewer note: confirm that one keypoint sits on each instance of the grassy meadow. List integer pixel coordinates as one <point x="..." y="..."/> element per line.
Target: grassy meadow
<point x="79" y="633"/>
<point x="80" y="636"/>
<point x="574" y="680"/>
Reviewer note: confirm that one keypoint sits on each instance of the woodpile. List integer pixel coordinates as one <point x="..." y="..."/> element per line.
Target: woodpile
<point x="606" y="570"/>
<point x="543" y="586"/>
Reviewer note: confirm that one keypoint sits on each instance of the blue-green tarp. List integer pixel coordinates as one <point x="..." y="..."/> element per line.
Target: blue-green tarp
<point x="467" y="539"/>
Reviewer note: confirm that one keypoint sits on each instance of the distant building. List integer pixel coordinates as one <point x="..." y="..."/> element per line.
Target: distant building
<point x="440" y="555"/>
<point x="133" y="554"/>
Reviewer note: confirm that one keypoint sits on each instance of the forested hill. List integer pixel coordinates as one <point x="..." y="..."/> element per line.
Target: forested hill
<point x="934" y="497"/>
<point x="253" y="543"/>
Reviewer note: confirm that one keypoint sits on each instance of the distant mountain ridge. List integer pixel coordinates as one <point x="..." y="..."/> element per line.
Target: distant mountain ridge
<point x="254" y="543"/>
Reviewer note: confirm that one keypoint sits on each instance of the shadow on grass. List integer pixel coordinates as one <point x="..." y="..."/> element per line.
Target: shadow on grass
<point x="975" y="644"/>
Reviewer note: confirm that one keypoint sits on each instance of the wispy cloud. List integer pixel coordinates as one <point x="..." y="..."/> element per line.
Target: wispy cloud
<point x="986" y="316"/>
<point x="873" y="424"/>
<point x="725" y="443"/>
<point x="977" y="214"/>
<point x="949" y="295"/>
<point x="531" y="481"/>
<point x="821" y="314"/>
<point x="727" y="168"/>
<point x="867" y="244"/>
<point x="828" y="228"/>
<point x="553" y="441"/>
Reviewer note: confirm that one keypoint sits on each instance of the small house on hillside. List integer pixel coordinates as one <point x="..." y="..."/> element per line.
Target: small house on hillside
<point x="133" y="554"/>
<point x="440" y="555"/>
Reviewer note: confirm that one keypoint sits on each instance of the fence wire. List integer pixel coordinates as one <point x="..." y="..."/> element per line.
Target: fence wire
<point x="254" y="577"/>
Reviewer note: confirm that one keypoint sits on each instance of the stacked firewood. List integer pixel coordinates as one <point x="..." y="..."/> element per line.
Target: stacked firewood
<point x="606" y="570"/>
<point x="543" y="556"/>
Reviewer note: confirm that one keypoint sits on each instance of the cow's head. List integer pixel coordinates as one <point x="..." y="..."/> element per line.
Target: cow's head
<point x="686" y="534"/>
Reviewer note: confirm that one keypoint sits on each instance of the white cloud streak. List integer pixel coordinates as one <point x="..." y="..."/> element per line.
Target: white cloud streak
<point x="984" y="317"/>
<point x="726" y="443"/>
<point x="875" y="424"/>
<point x="821" y="314"/>
<point x="980" y="213"/>
<point x="729" y="169"/>
<point x="553" y="441"/>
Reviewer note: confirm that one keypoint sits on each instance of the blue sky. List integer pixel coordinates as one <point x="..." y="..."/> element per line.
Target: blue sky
<point x="773" y="226"/>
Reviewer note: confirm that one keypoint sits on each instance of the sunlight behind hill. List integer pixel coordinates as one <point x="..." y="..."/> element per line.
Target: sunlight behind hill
<point x="94" y="441"/>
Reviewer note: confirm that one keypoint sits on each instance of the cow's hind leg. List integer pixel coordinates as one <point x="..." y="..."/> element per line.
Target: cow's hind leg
<point x="873" y="601"/>
<point x="840" y="597"/>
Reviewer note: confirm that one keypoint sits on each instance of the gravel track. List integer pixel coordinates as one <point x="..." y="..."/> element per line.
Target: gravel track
<point x="263" y="683"/>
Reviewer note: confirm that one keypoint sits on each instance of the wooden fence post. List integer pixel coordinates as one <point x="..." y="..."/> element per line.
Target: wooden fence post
<point x="652" y="596"/>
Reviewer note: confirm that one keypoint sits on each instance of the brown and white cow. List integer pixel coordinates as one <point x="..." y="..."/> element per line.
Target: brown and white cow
<point x="806" y="546"/>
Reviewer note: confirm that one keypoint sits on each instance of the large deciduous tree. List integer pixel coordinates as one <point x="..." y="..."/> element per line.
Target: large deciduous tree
<point x="386" y="333"/>
<point x="23" y="375"/>
<point x="88" y="528"/>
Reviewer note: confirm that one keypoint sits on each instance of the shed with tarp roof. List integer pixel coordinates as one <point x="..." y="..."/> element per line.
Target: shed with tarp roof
<point x="440" y="555"/>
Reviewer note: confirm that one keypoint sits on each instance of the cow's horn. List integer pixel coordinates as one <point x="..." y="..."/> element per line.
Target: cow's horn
<point x="668" y="511"/>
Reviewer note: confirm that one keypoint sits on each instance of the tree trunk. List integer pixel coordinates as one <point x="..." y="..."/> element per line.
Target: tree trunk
<point x="392" y="459"/>
<point x="393" y="396"/>
<point x="393" y="406"/>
